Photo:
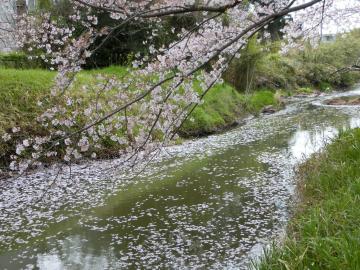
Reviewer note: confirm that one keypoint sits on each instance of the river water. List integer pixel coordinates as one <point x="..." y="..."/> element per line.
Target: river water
<point x="210" y="203"/>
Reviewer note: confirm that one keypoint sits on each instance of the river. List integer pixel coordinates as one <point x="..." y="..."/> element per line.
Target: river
<point x="210" y="203"/>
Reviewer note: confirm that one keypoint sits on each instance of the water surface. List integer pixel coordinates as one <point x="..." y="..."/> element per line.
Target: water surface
<point x="211" y="203"/>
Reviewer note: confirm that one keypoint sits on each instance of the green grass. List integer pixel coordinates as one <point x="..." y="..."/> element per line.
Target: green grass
<point x="305" y="90"/>
<point x="256" y="101"/>
<point x="223" y="106"/>
<point x="325" y="231"/>
<point x="19" y="92"/>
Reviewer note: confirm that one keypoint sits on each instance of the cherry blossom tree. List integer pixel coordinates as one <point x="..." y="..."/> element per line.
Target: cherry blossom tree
<point x="144" y="109"/>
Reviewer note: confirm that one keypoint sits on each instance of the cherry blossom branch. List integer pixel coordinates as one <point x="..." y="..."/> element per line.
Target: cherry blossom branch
<point x="167" y="10"/>
<point x="205" y="45"/>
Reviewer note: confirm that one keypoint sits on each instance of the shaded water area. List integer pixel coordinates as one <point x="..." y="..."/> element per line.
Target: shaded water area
<point x="211" y="203"/>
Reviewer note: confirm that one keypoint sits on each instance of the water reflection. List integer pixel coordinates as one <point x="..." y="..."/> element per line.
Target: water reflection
<point x="354" y="122"/>
<point x="47" y="261"/>
<point x="72" y="255"/>
<point x="306" y="142"/>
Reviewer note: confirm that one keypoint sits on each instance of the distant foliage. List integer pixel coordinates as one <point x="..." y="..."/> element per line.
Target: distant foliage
<point x="242" y="72"/>
<point x="263" y="66"/>
<point x="18" y="60"/>
<point x="323" y="64"/>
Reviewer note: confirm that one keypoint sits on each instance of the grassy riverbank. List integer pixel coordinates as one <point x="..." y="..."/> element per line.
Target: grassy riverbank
<point x="20" y="90"/>
<point x="223" y="107"/>
<point x="325" y="230"/>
